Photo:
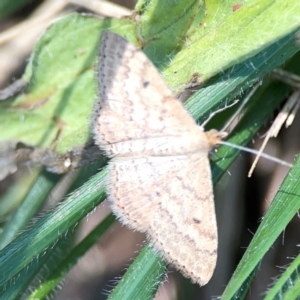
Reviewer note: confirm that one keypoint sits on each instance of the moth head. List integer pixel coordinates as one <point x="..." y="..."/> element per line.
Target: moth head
<point x="214" y="137"/>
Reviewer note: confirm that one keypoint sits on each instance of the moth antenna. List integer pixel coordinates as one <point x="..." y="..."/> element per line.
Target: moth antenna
<point x="218" y="111"/>
<point x="267" y="156"/>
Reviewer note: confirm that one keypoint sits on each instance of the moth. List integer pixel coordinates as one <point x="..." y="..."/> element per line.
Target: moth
<point x="159" y="177"/>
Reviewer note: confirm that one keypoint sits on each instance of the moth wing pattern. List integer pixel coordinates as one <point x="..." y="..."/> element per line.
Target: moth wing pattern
<point x="159" y="178"/>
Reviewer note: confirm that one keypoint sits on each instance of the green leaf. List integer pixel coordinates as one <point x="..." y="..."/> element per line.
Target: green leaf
<point x="61" y="88"/>
<point x="236" y="80"/>
<point x="32" y="243"/>
<point x="15" y="193"/>
<point x="142" y="278"/>
<point x="241" y="35"/>
<point x="288" y="285"/>
<point x="160" y="33"/>
<point x="39" y="266"/>
<point x="282" y="209"/>
<point x="71" y="259"/>
<point x="29" y="207"/>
